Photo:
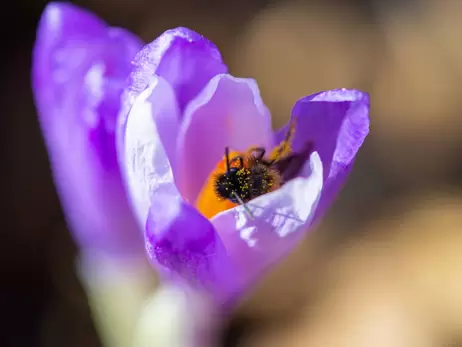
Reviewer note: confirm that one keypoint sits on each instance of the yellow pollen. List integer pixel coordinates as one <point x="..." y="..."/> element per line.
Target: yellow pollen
<point x="285" y="147"/>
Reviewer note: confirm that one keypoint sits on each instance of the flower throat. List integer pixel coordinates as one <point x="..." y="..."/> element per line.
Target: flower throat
<point x="251" y="175"/>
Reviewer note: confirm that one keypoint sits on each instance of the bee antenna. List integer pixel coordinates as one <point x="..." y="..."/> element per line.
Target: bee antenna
<point x="241" y="202"/>
<point x="227" y="159"/>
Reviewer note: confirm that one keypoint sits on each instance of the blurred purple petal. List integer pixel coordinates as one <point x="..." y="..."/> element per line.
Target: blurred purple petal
<point x="282" y="218"/>
<point x="79" y="70"/>
<point x="183" y="58"/>
<point x="149" y="129"/>
<point x="228" y="112"/>
<point x="184" y="246"/>
<point x="337" y="122"/>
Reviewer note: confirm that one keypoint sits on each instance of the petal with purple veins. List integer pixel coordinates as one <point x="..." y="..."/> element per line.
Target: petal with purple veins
<point x="281" y="219"/>
<point x="78" y="73"/>
<point x="228" y="112"/>
<point x="185" y="247"/>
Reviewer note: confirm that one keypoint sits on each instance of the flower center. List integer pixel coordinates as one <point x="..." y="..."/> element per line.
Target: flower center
<point x="241" y="177"/>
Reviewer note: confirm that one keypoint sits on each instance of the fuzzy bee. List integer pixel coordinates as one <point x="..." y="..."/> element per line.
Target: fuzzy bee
<point x="253" y="174"/>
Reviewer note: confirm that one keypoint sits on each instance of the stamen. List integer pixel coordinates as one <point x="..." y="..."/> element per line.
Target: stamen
<point x="285" y="147"/>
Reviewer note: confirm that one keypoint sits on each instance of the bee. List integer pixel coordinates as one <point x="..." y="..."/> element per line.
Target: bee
<point x="252" y="174"/>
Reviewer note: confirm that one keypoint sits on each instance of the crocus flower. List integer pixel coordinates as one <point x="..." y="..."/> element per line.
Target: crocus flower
<point x="80" y="67"/>
<point x="182" y="109"/>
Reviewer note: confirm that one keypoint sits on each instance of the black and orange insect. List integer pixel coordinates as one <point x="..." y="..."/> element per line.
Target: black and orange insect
<point x="252" y="174"/>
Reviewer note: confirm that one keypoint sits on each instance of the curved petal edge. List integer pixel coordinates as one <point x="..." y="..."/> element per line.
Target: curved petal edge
<point x="181" y="56"/>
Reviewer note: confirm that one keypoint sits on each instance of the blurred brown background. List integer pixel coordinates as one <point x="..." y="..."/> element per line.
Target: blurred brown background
<point x="395" y="228"/>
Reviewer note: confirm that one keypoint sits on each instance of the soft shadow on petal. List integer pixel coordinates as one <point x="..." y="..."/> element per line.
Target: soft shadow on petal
<point x="144" y="159"/>
<point x="337" y="122"/>
<point x="228" y="112"/>
<point x="185" y="247"/>
<point x="282" y="218"/>
<point x="78" y="72"/>
<point x="184" y="58"/>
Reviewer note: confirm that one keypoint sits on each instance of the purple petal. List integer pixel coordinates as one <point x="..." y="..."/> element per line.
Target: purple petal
<point x="181" y="56"/>
<point x="228" y="112"/>
<point x="281" y="219"/>
<point x="185" y="247"/>
<point x="142" y="151"/>
<point x="79" y="70"/>
<point x="337" y="122"/>
<point x="180" y="242"/>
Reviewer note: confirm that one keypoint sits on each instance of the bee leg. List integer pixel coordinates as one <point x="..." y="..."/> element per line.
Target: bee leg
<point x="241" y="202"/>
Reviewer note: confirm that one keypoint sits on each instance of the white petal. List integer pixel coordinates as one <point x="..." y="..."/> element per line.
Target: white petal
<point x="145" y="162"/>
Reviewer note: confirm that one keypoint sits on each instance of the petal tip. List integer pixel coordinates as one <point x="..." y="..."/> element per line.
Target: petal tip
<point x="58" y="14"/>
<point x="359" y="101"/>
<point x="185" y="58"/>
<point x="184" y="33"/>
<point x="152" y="53"/>
<point x="339" y="95"/>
